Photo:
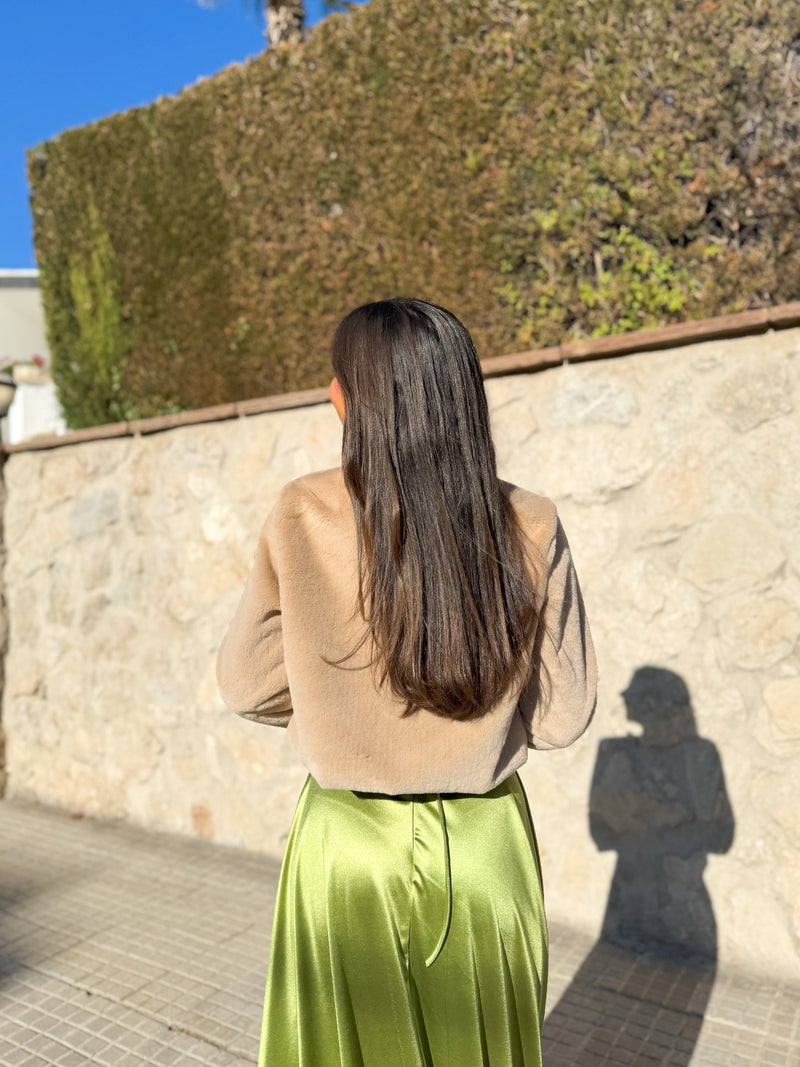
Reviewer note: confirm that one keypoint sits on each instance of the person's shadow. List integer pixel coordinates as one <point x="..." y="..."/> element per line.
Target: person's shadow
<point x="660" y="801"/>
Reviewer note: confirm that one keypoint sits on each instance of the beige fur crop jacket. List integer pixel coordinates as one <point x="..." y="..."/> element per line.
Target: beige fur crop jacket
<point x="298" y="602"/>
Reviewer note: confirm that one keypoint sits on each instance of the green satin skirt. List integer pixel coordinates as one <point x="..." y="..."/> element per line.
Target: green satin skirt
<point x="409" y="932"/>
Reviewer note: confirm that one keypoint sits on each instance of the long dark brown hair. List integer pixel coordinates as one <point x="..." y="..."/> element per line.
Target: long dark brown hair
<point x="443" y="586"/>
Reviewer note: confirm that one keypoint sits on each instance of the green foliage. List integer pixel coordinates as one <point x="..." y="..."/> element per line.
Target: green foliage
<point x="644" y="286"/>
<point x="546" y="170"/>
<point x="88" y="370"/>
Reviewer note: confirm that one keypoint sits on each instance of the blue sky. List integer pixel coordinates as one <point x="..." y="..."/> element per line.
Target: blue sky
<point x="66" y="64"/>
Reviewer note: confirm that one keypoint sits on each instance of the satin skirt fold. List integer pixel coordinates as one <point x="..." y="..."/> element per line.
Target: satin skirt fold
<point x="409" y="932"/>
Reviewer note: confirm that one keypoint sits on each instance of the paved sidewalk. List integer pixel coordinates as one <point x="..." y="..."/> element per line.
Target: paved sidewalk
<point x="125" y="948"/>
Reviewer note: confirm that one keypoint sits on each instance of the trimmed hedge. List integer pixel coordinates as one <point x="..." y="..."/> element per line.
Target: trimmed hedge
<point x="546" y="170"/>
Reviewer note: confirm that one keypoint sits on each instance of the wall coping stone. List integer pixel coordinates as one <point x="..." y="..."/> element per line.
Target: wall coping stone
<point x="676" y="335"/>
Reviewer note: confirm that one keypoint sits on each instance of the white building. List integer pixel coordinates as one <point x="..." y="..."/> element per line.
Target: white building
<point x="34" y="409"/>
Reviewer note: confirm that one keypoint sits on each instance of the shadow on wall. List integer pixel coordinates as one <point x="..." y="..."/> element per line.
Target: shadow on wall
<point x="659" y="800"/>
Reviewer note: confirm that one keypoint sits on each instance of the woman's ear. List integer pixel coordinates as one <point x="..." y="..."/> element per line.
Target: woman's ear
<point x="337" y="398"/>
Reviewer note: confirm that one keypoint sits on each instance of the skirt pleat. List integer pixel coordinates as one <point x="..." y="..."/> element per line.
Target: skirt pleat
<point x="409" y="932"/>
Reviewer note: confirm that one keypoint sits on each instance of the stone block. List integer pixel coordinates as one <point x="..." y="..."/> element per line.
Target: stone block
<point x="202" y="820"/>
<point x="590" y="463"/>
<point x="782" y="698"/>
<point x="220" y="524"/>
<point x="61" y="602"/>
<point x="753" y="394"/>
<point x="756" y="632"/>
<point x="775" y="795"/>
<point x="674" y="493"/>
<point x="94" y="611"/>
<point x="95" y="567"/>
<point x="63" y="474"/>
<point x="21" y="473"/>
<point x="585" y="397"/>
<point x="92" y="512"/>
<point x="192" y="447"/>
<point x="141" y="472"/>
<point x="24" y="675"/>
<point x="729" y="552"/>
<point x="513" y="423"/>
<point x="648" y="610"/>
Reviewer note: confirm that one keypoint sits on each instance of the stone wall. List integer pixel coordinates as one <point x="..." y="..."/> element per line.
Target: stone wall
<point x="676" y="474"/>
